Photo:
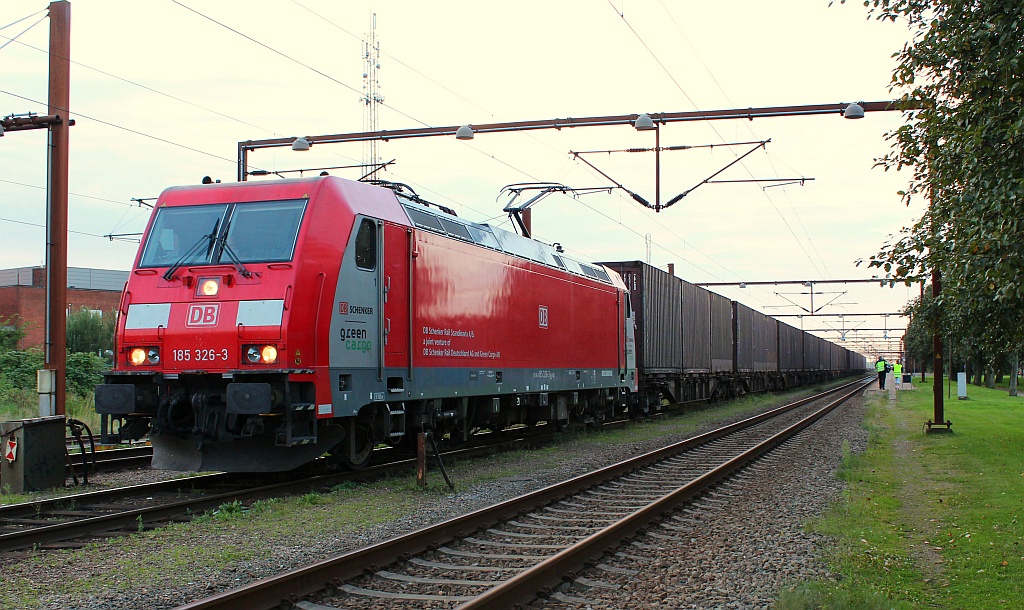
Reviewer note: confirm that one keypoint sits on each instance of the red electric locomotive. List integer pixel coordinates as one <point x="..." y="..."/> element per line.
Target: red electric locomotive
<point x="267" y="323"/>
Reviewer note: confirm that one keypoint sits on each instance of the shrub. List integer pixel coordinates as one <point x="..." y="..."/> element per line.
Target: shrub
<point x="11" y="332"/>
<point x="84" y="372"/>
<point x="91" y="332"/>
<point x="18" y="370"/>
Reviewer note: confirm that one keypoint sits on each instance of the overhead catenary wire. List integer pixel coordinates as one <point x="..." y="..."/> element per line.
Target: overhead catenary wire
<point x="343" y="84"/>
<point x="332" y="23"/>
<point x="713" y="128"/>
<point x="120" y="223"/>
<point x="145" y="87"/>
<point x="396" y="59"/>
<point x="34" y="186"/>
<point x="16" y="22"/>
<point x="223" y="115"/>
<point x="492" y="156"/>
<point x="681" y="257"/>
<point x="123" y="128"/>
<point x="749" y="128"/>
<point x="41" y="226"/>
<point x="293" y="60"/>
<point x="658" y="245"/>
<point x="10" y="40"/>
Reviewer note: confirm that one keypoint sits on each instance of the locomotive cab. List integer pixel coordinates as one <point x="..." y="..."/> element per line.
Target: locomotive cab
<point x="206" y="360"/>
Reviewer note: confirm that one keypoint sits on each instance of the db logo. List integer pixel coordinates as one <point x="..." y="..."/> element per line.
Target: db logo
<point x="343" y="308"/>
<point x="203" y="315"/>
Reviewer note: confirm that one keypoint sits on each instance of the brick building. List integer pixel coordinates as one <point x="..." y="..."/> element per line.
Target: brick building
<point x="23" y="296"/>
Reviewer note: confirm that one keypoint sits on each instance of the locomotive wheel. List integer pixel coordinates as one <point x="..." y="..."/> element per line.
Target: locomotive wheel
<point x="362" y="439"/>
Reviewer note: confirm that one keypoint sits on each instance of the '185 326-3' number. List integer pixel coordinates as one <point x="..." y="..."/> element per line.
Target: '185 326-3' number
<point x="200" y="355"/>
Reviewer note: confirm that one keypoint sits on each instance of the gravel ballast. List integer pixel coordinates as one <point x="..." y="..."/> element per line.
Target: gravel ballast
<point x="754" y="545"/>
<point x="746" y="540"/>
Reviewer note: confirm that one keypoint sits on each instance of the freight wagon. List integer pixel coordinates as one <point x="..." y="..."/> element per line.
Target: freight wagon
<point x="694" y="344"/>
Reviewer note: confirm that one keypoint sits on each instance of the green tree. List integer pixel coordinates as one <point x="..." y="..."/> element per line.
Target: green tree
<point x="962" y="83"/>
<point x="920" y="330"/>
<point x="91" y="332"/>
<point x="12" y="331"/>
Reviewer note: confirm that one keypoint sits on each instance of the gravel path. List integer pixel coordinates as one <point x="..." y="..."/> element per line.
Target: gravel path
<point x="720" y="563"/>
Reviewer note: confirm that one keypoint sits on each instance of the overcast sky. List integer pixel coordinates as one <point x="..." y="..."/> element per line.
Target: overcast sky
<point x="162" y="91"/>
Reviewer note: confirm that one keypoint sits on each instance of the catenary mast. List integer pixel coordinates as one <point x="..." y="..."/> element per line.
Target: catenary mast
<point x="371" y="95"/>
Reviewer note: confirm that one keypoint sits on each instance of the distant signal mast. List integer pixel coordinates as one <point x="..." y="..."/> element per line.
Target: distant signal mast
<point x="371" y="95"/>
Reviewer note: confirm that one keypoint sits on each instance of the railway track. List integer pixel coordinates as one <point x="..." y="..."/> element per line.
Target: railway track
<point x="72" y="521"/>
<point x="106" y="460"/>
<point x="502" y="556"/>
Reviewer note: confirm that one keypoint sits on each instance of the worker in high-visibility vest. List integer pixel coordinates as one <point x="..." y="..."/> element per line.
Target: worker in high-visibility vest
<point x="882" y="367"/>
<point x="897" y="371"/>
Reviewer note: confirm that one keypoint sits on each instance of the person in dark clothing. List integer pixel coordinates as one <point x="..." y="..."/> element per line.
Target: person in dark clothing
<point x="883" y="368"/>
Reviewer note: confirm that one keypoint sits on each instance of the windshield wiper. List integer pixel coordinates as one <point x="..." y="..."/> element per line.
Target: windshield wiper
<point x="234" y="258"/>
<point x="212" y="240"/>
<point x="169" y="274"/>
<point x="226" y="249"/>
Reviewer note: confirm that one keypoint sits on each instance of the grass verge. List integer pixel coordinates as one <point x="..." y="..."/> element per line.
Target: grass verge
<point x="928" y="520"/>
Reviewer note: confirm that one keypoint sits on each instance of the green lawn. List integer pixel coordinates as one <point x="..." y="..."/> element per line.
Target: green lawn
<point x="929" y="520"/>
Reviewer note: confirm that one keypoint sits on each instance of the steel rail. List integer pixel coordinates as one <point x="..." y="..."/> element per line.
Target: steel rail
<point x="112" y="459"/>
<point x="288" y="587"/>
<point x="524" y="587"/>
<point x="56" y="532"/>
<point x="39" y="506"/>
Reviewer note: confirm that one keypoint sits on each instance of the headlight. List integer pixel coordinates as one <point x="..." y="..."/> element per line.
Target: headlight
<point x="139" y="356"/>
<point x="208" y="287"/>
<point x="261" y="354"/>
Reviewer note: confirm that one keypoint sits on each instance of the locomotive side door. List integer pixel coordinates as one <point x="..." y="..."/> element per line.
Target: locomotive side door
<point x="629" y="331"/>
<point x="357" y="356"/>
<point x="397" y="310"/>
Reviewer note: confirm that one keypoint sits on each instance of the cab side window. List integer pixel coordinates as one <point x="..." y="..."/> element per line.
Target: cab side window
<point x="366" y="245"/>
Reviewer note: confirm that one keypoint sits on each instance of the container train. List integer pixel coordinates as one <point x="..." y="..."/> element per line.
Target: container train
<point x="265" y="324"/>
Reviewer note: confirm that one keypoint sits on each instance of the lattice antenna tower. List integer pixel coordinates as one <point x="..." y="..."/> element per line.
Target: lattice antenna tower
<point x="371" y="93"/>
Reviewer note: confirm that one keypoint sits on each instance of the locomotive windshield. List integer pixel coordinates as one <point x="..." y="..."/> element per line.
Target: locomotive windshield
<point x="210" y="234"/>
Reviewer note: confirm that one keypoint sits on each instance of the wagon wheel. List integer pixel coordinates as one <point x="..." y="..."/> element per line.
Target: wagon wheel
<point x="359" y="445"/>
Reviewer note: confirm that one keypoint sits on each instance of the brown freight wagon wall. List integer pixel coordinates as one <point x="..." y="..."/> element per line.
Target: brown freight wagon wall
<point x="757" y="345"/>
<point x="769" y="342"/>
<point x="812" y="357"/>
<point x="696" y="328"/>
<point x="745" y="337"/>
<point x="791" y="348"/>
<point x="657" y="298"/>
<point x="721" y="333"/>
<point x="663" y="321"/>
